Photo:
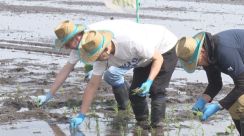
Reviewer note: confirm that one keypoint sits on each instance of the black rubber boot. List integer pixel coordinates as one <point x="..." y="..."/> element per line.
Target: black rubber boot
<point x="158" y="106"/>
<point x="140" y="109"/>
<point x="122" y="96"/>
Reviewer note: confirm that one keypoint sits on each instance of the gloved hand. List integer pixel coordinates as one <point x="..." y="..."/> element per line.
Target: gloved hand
<point x="42" y="99"/>
<point x="145" y="87"/>
<point x="76" y="121"/>
<point x="199" y="105"/>
<point x="209" y="110"/>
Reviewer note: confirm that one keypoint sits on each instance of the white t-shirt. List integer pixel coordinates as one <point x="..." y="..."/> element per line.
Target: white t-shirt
<point x="134" y="44"/>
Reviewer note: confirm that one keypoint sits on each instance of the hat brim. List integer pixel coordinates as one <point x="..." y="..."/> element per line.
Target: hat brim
<point x="59" y="43"/>
<point x="85" y="57"/>
<point x="191" y="67"/>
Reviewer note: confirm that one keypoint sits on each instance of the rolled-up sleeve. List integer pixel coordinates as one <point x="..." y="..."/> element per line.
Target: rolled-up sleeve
<point x="236" y="92"/>
<point x="73" y="57"/>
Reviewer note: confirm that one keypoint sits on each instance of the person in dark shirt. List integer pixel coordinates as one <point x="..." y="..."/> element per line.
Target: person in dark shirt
<point x="221" y="52"/>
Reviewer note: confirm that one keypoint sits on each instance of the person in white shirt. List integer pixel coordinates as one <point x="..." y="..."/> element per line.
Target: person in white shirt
<point x="69" y="36"/>
<point x="118" y="46"/>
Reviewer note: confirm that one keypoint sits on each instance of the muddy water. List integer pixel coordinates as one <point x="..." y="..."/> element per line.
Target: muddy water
<point x="29" y="65"/>
<point x="23" y="78"/>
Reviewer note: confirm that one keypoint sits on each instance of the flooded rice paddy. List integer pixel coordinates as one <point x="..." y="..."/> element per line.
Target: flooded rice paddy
<point x="29" y="65"/>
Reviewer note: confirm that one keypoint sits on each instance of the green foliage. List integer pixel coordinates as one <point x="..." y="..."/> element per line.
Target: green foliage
<point x="74" y="110"/>
<point x="138" y="131"/>
<point x="129" y="110"/>
<point x="97" y="127"/>
<point x="88" y="67"/>
<point x="88" y="123"/>
<point x="37" y="103"/>
<point x="116" y="109"/>
<point x="199" y="114"/>
<point x="230" y="129"/>
<point x="122" y="131"/>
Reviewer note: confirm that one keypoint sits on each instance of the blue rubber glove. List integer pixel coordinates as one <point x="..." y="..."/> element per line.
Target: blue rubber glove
<point x="209" y="110"/>
<point x="43" y="99"/>
<point x="145" y="87"/>
<point x="76" y="121"/>
<point x="199" y="105"/>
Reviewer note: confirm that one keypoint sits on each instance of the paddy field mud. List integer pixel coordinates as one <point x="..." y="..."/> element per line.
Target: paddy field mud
<point x="29" y="65"/>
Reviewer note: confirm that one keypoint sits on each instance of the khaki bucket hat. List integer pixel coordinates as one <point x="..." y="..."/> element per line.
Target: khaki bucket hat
<point x="65" y="31"/>
<point x="92" y="45"/>
<point x="188" y="50"/>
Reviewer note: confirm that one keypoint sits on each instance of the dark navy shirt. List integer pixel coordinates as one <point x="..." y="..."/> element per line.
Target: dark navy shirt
<point x="230" y="52"/>
<point x="229" y="56"/>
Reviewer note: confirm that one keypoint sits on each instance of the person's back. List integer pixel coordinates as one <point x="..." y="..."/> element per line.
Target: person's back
<point x="230" y="44"/>
<point x="140" y="34"/>
<point x="233" y="38"/>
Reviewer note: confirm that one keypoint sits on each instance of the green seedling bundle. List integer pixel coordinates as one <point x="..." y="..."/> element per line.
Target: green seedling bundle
<point x="137" y="91"/>
<point x="198" y="113"/>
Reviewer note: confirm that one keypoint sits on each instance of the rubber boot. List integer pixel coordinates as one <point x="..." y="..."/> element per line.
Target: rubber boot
<point x="122" y="96"/>
<point x="158" y="106"/>
<point x="140" y="109"/>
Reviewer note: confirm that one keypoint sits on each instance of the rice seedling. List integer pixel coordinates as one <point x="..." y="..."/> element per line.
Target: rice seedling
<point x="37" y="102"/>
<point x="122" y="131"/>
<point x="128" y="110"/>
<point x="88" y="68"/>
<point x="136" y="91"/>
<point x="203" y="132"/>
<point x="65" y="113"/>
<point x="198" y="114"/>
<point x="166" y="121"/>
<point x="97" y="127"/>
<point x="116" y="109"/>
<point x="18" y="90"/>
<point x="230" y="129"/>
<point x="74" y="111"/>
<point x="62" y="91"/>
<point x="138" y="131"/>
<point x="196" y="129"/>
<point x="153" y="131"/>
<point x="88" y="124"/>
<point x="179" y="128"/>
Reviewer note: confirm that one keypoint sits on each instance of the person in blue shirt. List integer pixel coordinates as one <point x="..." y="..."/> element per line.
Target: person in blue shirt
<point x="219" y="53"/>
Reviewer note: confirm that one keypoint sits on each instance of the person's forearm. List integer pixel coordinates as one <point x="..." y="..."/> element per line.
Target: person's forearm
<point x="89" y="94"/>
<point x="231" y="98"/>
<point x="155" y="68"/>
<point x="206" y="97"/>
<point x="236" y="92"/>
<point x="61" y="77"/>
<point x="214" y="81"/>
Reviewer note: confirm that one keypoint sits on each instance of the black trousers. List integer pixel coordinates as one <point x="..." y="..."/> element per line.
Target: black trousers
<point x="157" y="90"/>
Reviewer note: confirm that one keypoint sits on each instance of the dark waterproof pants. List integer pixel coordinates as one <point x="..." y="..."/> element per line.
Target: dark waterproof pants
<point x="157" y="91"/>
